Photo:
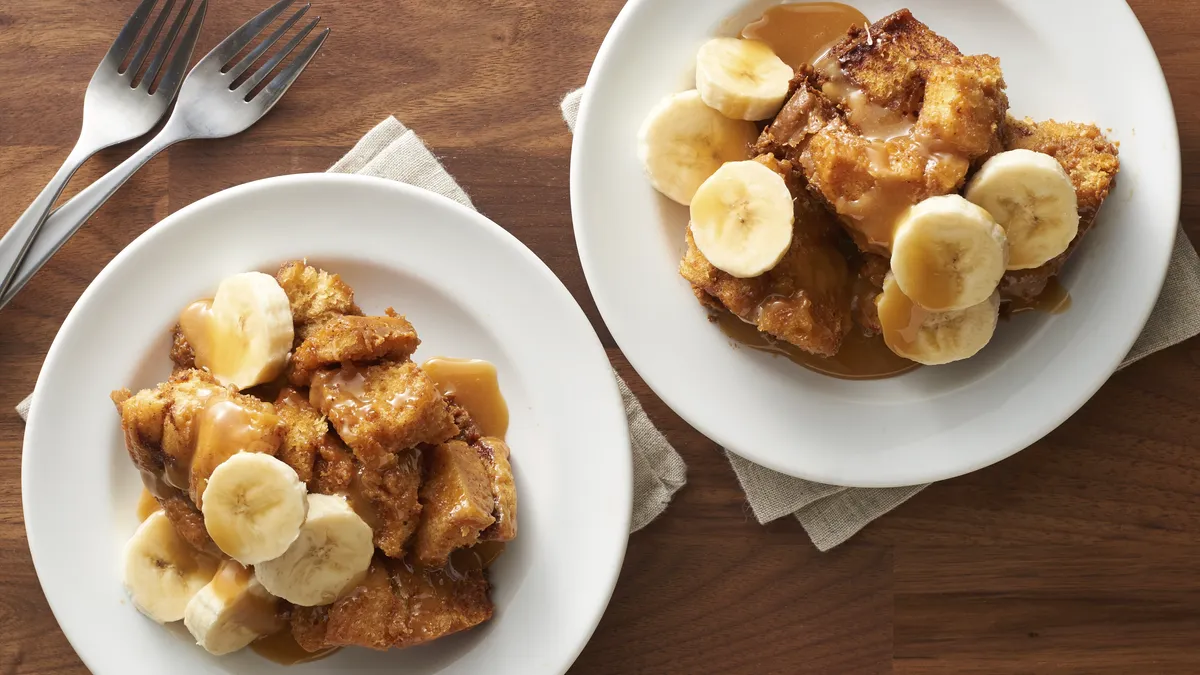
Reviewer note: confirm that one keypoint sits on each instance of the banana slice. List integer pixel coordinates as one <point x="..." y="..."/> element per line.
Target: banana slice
<point x="1032" y="197"/>
<point x="162" y="571"/>
<point x="330" y="556"/>
<point x="934" y="338"/>
<point x="742" y="79"/>
<point x="948" y="254"/>
<point x="683" y="142"/>
<point x="742" y="219"/>
<point x="232" y="611"/>
<point x="244" y="337"/>
<point x="253" y="507"/>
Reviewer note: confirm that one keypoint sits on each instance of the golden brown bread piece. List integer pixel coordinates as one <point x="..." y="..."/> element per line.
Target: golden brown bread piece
<point x="333" y="468"/>
<point x="188" y="522"/>
<point x="468" y="431"/>
<point x="902" y="65"/>
<point x="389" y="496"/>
<point x="385" y="498"/>
<point x="869" y="284"/>
<point x="180" y="420"/>
<point x="315" y="296"/>
<point x="893" y="116"/>
<point x="182" y="354"/>
<point x="456" y="503"/>
<point x="307" y="431"/>
<point x="1092" y="163"/>
<point x="805" y="299"/>
<point x="495" y="454"/>
<point x="347" y="339"/>
<point x="396" y="606"/>
<point x="891" y="61"/>
<point x="382" y="409"/>
<point x="179" y="431"/>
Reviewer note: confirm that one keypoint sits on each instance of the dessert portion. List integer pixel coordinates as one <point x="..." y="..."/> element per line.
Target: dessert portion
<point x="888" y="197"/>
<point x="805" y="297"/>
<point x="309" y="484"/>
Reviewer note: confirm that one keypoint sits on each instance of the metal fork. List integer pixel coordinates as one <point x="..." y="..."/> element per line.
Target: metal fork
<point x="209" y="106"/>
<point x="116" y="108"/>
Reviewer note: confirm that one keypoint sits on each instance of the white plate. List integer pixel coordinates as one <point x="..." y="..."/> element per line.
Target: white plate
<point x="470" y="288"/>
<point x="1069" y="59"/>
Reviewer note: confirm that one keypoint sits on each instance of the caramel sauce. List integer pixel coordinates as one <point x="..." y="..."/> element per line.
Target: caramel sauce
<point x="216" y="346"/>
<point x="146" y="505"/>
<point x="291" y="397"/>
<point x="860" y="358"/>
<point x="933" y="282"/>
<point x="361" y="504"/>
<point x="804" y="33"/>
<point x="799" y="33"/>
<point x="873" y="121"/>
<point x="156" y="485"/>
<point x="377" y="577"/>
<point x="225" y="429"/>
<point x="283" y="649"/>
<point x="257" y="611"/>
<point x="907" y="318"/>
<point x="343" y="394"/>
<point x="1055" y="299"/>
<point x="898" y="158"/>
<point x="231" y="580"/>
<point x="475" y="386"/>
<point x="478" y="557"/>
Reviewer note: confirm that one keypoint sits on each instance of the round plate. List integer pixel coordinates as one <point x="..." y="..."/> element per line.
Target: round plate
<point x="934" y="423"/>
<point x="470" y="288"/>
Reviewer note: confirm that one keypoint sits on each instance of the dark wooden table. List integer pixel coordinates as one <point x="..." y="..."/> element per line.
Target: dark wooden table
<point x="1078" y="555"/>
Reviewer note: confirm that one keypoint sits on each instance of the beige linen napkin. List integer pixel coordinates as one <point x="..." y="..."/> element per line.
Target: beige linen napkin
<point x="393" y="151"/>
<point x="832" y="514"/>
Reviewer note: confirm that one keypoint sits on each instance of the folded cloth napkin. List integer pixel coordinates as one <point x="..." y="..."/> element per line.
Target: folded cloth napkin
<point x="832" y="514"/>
<point x="393" y="151"/>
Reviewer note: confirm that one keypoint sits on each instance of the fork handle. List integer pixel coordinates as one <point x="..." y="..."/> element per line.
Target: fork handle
<point x="16" y="242"/>
<point x="66" y="220"/>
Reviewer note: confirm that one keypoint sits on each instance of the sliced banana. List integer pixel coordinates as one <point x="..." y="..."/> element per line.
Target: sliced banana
<point x="1032" y="197"/>
<point x="948" y="254"/>
<point x="742" y="79"/>
<point x="742" y="219"/>
<point x="162" y="571"/>
<point x="934" y="338"/>
<point x="253" y="507"/>
<point x="232" y="611"/>
<point x="244" y="336"/>
<point x="683" y="142"/>
<point x="330" y="556"/>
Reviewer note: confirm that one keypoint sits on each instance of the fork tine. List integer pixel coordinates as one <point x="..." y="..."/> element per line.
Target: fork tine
<point x="173" y="75"/>
<point x="148" y="39"/>
<point x="250" y="58"/>
<point x="237" y="41"/>
<point x="165" y="47"/>
<point x="276" y="88"/>
<point x="120" y="47"/>
<point x="262" y="73"/>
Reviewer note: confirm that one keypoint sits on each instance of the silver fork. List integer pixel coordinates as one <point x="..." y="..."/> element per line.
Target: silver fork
<point x="209" y="106"/>
<point x="116" y="108"/>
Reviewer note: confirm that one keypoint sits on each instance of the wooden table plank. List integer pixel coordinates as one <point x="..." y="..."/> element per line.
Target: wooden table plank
<point x="1077" y="555"/>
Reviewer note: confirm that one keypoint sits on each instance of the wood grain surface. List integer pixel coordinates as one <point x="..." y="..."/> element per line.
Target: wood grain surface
<point x="1079" y="555"/>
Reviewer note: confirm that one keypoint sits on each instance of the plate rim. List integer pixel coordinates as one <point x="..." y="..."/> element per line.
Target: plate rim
<point x="172" y="220"/>
<point x="609" y="306"/>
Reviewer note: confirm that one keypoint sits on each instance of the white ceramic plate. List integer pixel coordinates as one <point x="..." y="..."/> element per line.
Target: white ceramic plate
<point x="1078" y="60"/>
<point x="470" y="288"/>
